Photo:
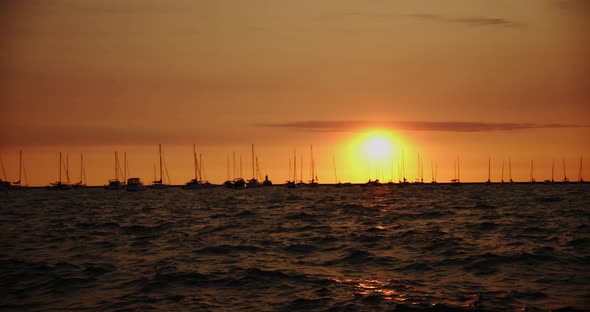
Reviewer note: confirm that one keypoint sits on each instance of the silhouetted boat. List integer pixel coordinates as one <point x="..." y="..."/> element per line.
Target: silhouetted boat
<point x="59" y="185"/>
<point x="21" y="167"/>
<point x="82" y="183"/>
<point x="134" y="185"/>
<point x="252" y="183"/>
<point x="289" y="183"/>
<point x="457" y="179"/>
<point x="580" y="173"/>
<point x="239" y="183"/>
<point x="552" y="172"/>
<point x="158" y="184"/>
<point x="489" y="170"/>
<point x="314" y="179"/>
<point x="115" y="184"/>
<point x="532" y="178"/>
<point x="510" y="170"/>
<point x="197" y="182"/>
<point x="4" y="184"/>
<point x="371" y="183"/>
<point x="266" y="181"/>
<point x="565" y="179"/>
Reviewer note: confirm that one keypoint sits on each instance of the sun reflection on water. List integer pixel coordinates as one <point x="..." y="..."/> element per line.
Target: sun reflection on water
<point x="374" y="287"/>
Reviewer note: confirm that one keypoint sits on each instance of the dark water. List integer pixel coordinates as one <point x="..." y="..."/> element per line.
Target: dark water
<point x="433" y="248"/>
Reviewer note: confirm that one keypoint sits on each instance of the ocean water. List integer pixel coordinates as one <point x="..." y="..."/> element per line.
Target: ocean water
<point x="390" y="248"/>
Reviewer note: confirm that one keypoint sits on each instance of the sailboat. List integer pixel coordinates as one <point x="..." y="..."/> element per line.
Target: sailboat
<point x="552" y="172"/>
<point x="434" y="173"/>
<point x="565" y="179"/>
<point x="419" y="174"/>
<point x="489" y="181"/>
<point x="314" y="178"/>
<point x="502" y="171"/>
<point x="239" y="183"/>
<point x="510" y="170"/>
<point x="457" y="179"/>
<point x="82" y="183"/>
<point x="158" y="184"/>
<point x="254" y="181"/>
<point x="4" y="184"/>
<point x="403" y="171"/>
<point x="532" y="173"/>
<point x="131" y="184"/>
<point x="228" y="183"/>
<point x="115" y="184"/>
<point x="21" y="167"/>
<point x="197" y="182"/>
<point x="580" y="178"/>
<point x="338" y="183"/>
<point x="59" y="185"/>
<point x="293" y="184"/>
<point x="300" y="183"/>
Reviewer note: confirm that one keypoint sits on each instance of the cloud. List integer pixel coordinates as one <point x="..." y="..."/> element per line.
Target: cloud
<point x="46" y="135"/>
<point x="447" y="126"/>
<point x="470" y="21"/>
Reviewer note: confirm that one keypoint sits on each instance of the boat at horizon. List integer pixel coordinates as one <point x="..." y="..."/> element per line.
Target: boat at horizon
<point x="158" y="184"/>
<point x="59" y="185"/>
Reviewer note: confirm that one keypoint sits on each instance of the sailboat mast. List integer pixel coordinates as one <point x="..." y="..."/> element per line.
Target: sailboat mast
<point x="117" y="166"/>
<point x="68" y="168"/>
<point x="435" y="172"/>
<point x="295" y="165"/>
<point x="4" y="171"/>
<point x="195" y="161"/>
<point x="489" y="168"/>
<point x="553" y="170"/>
<point x="510" y="169"/>
<point x="564" y="173"/>
<point x="125" y="165"/>
<point x="312" y="164"/>
<point x="59" y="167"/>
<point x="201" y="169"/>
<point x="81" y="167"/>
<point x="403" y="166"/>
<point x="20" y="165"/>
<point x="334" y="164"/>
<point x="431" y="171"/>
<point x="458" y="171"/>
<point x="580" y="171"/>
<point x="257" y="169"/>
<point x="83" y="170"/>
<point x="502" y="170"/>
<point x="301" y="169"/>
<point x="160" y="150"/>
<point x="532" y="172"/>
<point x="228" y="176"/>
<point x="253" y="171"/>
<point x="421" y="169"/>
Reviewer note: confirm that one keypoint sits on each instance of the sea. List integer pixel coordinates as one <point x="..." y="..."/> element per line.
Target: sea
<point x="417" y="247"/>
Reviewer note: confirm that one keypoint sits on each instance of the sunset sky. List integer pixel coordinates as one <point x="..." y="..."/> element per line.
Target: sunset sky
<point x="444" y="79"/>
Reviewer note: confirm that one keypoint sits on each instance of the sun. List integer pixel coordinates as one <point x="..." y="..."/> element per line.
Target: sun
<point x="378" y="147"/>
<point x="373" y="153"/>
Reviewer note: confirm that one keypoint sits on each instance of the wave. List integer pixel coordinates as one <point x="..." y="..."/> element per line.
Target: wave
<point x="354" y="256"/>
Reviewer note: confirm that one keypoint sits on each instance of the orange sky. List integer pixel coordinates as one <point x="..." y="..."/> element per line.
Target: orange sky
<point x="473" y="78"/>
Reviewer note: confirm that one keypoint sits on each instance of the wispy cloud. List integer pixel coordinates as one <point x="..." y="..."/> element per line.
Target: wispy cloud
<point x="11" y="135"/>
<point x="470" y="21"/>
<point x="448" y="126"/>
